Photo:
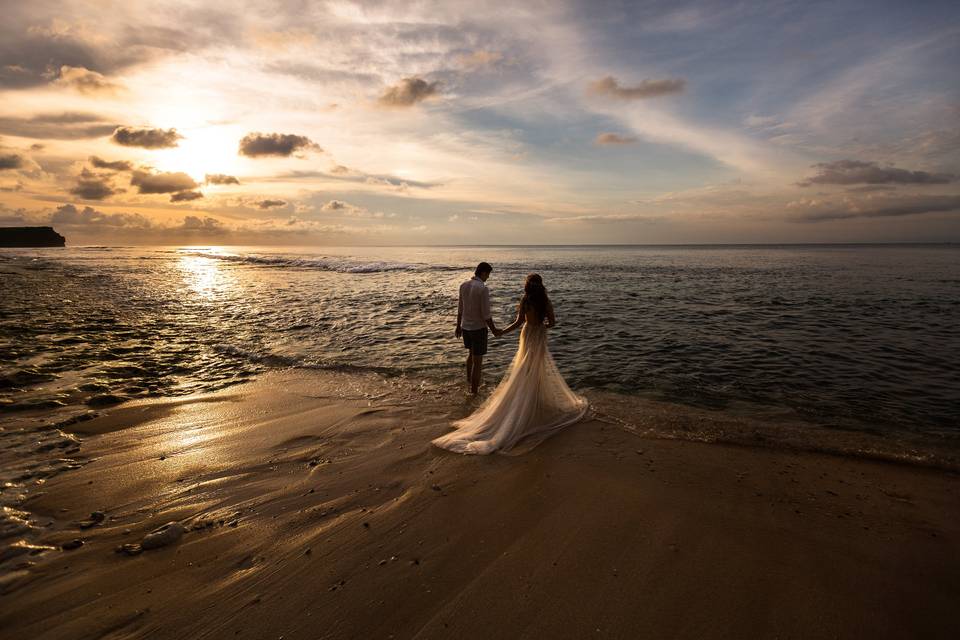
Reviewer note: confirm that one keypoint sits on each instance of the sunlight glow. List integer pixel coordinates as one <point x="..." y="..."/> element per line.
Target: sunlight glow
<point x="203" y="150"/>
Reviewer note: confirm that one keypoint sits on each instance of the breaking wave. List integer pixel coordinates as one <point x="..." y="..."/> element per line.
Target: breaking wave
<point x="340" y="265"/>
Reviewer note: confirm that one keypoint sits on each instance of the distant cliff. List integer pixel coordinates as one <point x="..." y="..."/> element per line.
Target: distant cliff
<point x="31" y="237"/>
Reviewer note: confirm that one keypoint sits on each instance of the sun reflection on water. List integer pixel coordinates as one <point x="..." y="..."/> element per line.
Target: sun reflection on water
<point x="204" y="276"/>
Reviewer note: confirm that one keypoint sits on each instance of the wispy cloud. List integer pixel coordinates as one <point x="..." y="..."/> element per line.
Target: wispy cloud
<point x="67" y="125"/>
<point x="889" y="207"/>
<point x="613" y="138"/>
<point x="610" y="86"/>
<point x="86" y="81"/>
<point x="846" y="172"/>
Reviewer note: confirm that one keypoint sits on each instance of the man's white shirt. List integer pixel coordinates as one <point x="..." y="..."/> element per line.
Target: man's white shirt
<point x="474" y="304"/>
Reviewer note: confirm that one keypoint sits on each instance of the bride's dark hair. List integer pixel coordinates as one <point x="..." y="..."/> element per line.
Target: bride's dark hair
<point x="535" y="295"/>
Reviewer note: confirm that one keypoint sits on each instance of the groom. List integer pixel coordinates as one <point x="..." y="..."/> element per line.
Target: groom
<point x="473" y="318"/>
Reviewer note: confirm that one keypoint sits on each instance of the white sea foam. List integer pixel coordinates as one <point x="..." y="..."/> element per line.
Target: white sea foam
<point x="340" y="265"/>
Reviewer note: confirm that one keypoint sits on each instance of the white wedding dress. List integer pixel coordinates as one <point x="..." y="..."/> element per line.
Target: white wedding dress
<point x="531" y="403"/>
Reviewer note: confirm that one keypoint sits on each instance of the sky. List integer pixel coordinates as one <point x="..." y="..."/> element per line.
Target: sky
<point x="424" y="123"/>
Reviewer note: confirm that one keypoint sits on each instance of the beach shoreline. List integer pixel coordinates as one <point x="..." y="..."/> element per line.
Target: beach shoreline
<point x="313" y="506"/>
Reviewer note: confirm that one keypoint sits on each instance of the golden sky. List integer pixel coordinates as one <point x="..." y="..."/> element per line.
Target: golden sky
<point x="472" y="122"/>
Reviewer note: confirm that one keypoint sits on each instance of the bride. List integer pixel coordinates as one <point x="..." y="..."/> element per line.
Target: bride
<point x="532" y="401"/>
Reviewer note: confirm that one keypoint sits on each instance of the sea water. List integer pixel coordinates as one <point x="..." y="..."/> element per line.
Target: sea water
<point x="844" y="337"/>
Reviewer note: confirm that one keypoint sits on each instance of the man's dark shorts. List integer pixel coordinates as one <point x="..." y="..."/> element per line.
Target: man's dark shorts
<point x="475" y="340"/>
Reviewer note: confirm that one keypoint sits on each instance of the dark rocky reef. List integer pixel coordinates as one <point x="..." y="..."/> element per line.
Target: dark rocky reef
<point x="31" y="237"/>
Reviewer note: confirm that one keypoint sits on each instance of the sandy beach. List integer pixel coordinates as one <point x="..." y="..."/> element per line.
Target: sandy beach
<point x="313" y="506"/>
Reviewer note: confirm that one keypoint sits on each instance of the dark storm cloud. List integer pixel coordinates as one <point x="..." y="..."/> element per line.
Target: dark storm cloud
<point x="609" y="86"/>
<point x="859" y="172"/>
<point x="408" y="92"/>
<point x="69" y="125"/>
<point x="614" y="138"/>
<point x="269" y="204"/>
<point x="162" y="182"/>
<point x="146" y="137"/>
<point x="185" y="196"/>
<point x="220" y="178"/>
<point x="91" y="186"/>
<point x="891" y="208"/>
<point x="10" y="161"/>
<point x="257" y="144"/>
<point x="116" y="165"/>
<point x="68" y="214"/>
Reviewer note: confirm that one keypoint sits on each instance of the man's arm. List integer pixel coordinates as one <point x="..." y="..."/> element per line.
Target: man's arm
<point x="459" y="331"/>
<point x="488" y="317"/>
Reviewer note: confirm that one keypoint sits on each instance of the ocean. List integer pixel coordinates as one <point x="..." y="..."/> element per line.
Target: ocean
<point x="844" y="338"/>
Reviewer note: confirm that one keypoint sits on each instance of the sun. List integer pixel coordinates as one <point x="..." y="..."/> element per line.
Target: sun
<point x="202" y="150"/>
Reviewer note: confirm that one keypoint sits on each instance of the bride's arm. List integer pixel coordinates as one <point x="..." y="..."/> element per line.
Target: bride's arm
<point x="521" y="318"/>
<point x="551" y="319"/>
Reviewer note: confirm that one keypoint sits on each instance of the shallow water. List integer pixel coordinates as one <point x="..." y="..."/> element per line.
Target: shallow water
<point x="859" y="337"/>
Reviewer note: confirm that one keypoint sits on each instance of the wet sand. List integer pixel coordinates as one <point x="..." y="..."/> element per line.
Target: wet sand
<point x="313" y="506"/>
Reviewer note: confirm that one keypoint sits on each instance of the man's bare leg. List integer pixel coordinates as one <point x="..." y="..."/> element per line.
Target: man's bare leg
<point x="475" y="377"/>
<point x="469" y="367"/>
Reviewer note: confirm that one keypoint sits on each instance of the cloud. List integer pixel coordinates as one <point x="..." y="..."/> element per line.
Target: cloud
<point x="86" y="81"/>
<point x="604" y="218"/>
<point x="256" y="144"/>
<point x="893" y="207"/>
<point x="614" y="138"/>
<point x="31" y="51"/>
<point x="859" y="172"/>
<point x="69" y="215"/>
<point x="88" y="218"/>
<point x="185" y="196"/>
<point x="11" y="161"/>
<point x="345" y="174"/>
<point x="334" y="205"/>
<point x="269" y="204"/>
<point x="117" y="165"/>
<point x="205" y="224"/>
<point x="36" y="146"/>
<point x="478" y="60"/>
<point x="871" y="188"/>
<point x="341" y="208"/>
<point x="609" y="86"/>
<point x="91" y="186"/>
<point x="408" y="92"/>
<point x="162" y="182"/>
<point x="146" y="137"/>
<point x="326" y="75"/>
<point x="68" y="125"/>
<point x="220" y="178"/>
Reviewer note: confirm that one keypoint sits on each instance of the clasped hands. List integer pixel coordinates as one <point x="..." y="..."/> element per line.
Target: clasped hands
<point x="458" y="332"/>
